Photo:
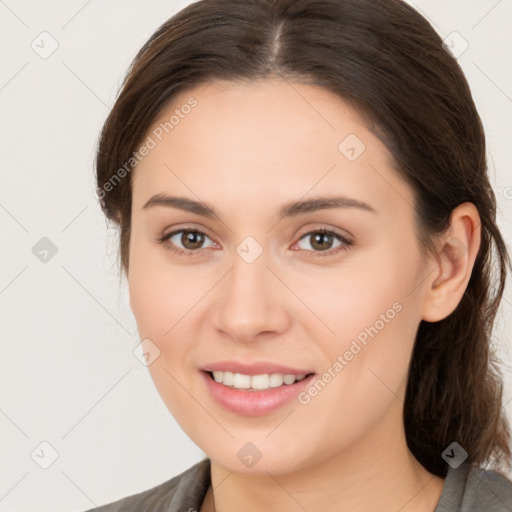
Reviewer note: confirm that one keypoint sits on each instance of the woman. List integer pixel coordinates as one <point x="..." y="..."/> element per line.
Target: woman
<point x="306" y="226"/>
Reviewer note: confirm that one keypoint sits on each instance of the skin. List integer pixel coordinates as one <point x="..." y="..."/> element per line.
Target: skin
<point x="246" y="149"/>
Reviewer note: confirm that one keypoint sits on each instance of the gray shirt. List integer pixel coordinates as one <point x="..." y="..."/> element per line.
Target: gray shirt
<point x="466" y="489"/>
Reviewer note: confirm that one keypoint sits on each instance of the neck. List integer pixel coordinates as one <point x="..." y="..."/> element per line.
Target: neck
<point x="376" y="473"/>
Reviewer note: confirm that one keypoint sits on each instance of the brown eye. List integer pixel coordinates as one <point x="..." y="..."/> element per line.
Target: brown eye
<point x="185" y="241"/>
<point x="192" y="239"/>
<point x="321" y="241"/>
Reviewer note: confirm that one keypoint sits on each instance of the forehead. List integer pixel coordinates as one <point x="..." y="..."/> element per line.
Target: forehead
<point x="240" y="141"/>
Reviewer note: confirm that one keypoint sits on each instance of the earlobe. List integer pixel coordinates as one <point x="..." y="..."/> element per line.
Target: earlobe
<point x="455" y="258"/>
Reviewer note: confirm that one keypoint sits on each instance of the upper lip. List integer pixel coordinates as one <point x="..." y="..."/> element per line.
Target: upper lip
<point x="255" y="368"/>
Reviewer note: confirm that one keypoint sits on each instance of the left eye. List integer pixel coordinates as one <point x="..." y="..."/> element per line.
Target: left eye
<point x="321" y="238"/>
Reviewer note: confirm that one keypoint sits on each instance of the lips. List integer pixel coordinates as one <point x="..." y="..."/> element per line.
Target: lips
<point x="254" y="402"/>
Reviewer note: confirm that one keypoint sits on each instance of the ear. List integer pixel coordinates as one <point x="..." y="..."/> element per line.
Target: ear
<point x="454" y="260"/>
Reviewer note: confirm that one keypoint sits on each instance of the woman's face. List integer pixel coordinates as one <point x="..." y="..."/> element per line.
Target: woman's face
<point x="343" y="304"/>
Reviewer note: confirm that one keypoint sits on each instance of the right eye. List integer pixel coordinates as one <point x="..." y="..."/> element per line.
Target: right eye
<point x="192" y="237"/>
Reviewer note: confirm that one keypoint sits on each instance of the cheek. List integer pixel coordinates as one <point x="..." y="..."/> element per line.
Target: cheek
<point x="373" y="318"/>
<point x="151" y="303"/>
<point x="160" y="296"/>
<point x="372" y="291"/>
<point x="158" y="290"/>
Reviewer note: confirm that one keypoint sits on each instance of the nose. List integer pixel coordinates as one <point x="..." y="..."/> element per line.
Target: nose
<point x="251" y="301"/>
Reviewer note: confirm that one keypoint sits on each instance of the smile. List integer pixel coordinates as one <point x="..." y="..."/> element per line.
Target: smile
<point x="258" y="394"/>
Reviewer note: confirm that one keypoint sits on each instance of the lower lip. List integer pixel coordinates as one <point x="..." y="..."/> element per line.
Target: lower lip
<point x="254" y="403"/>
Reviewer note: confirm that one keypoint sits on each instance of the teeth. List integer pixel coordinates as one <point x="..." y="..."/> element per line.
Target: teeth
<point x="241" y="381"/>
<point x="276" y="380"/>
<point x="260" y="381"/>
<point x="289" y="379"/>
<point x="228" y="378"/>
<point x="255" y="382"/>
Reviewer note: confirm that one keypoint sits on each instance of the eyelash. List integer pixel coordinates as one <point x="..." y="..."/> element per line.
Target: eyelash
<point x="346" y="244"/>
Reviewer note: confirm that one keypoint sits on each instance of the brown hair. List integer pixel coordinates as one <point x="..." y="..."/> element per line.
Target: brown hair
<point x="386" y="60"/>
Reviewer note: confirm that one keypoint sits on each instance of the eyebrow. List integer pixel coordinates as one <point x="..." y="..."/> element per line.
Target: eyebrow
<point x="291" y="209"/>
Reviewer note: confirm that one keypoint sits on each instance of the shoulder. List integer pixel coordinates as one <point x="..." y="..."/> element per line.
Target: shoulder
<point x="487" y="490"/>
<point x="182" y="492"/>
<point x="470" y="488"/>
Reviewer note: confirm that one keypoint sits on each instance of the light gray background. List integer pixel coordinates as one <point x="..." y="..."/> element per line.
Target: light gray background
<point x="67" y="372"/>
